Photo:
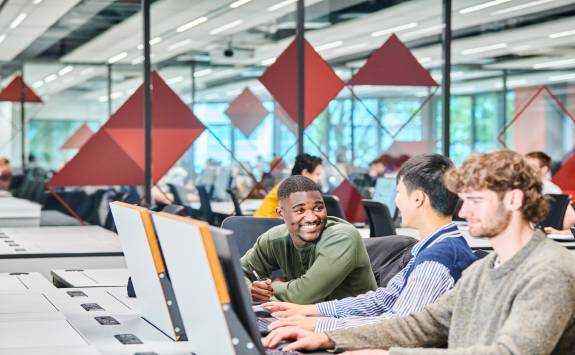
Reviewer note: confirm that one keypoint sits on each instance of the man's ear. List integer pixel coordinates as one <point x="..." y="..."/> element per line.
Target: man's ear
<point x="418" y="197"/>
<point x="279" y="212"/>
<point x="513" y="199"/>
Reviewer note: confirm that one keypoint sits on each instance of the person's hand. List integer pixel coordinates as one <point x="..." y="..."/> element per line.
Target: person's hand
<point x="286" y="309"/>
<point x="367" y="352"/>
<point x="307" y="323"/>
<point x="303" y="339"/>
<point x="551" y="230"/>
<point x="261" y="291"/>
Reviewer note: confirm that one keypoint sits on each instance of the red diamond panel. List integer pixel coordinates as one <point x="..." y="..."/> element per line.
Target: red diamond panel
<point x="13" y="92"/>
<point x="350" y="200"/>
<point x="564" y="177"/>
<point x="321" y="82"/>
<point x="246" y="112"/>
<point x="284" y="118"/>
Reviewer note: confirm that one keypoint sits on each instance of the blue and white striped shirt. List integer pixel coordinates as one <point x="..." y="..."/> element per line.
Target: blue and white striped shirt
<point x="436" y="265"/>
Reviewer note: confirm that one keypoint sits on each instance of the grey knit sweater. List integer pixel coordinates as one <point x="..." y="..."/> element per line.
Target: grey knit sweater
<point x="525" y="306"/>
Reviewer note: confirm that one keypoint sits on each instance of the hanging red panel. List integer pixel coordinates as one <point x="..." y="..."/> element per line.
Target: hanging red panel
<point x="79" y="138"/>
<point x="246" y="112"/>
<point x="13" y="92"/>
<point x="350" y="199"/>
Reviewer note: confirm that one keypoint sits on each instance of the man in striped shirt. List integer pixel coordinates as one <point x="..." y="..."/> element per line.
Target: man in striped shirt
<point x="437" y="263"/>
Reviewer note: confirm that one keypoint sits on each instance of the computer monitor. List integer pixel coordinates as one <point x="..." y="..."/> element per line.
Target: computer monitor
<point x="149" y="275"/>
<point x="385" y="191"/>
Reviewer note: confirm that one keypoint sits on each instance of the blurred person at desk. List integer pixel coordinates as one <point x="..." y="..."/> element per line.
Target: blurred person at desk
<point x="322" y="258"/>
<point x="305" y="165"/>
<point x="5" y="174"/>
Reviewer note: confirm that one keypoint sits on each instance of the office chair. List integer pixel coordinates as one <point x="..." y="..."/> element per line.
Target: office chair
<point x="247" y="229"/>
<point x="175" y="209"/>
<point x="379" y="218"/>
<point x="333" y="206"/>
<point x="388" y="256"/>
<point x="558" y="205"/>
<point x="236" y="202"/>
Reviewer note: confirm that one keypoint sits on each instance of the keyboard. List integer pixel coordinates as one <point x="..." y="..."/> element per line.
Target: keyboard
<point x="263" y="325"/>
<point x="281" y="352"/>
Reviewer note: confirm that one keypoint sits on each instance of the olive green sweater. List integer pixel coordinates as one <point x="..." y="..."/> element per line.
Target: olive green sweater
<point x="524" y="306"/>
<point x="333" y="267"/>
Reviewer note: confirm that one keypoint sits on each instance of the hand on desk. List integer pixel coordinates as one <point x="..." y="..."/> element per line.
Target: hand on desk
<point x="307" y="323"/>
<point x="286" y="309"/>
<point x="302" y="339"/>
<point x="261" y="291"/>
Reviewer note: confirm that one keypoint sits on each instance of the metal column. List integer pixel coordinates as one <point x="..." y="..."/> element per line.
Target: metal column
<point x="446" y="44"/>
<point x="300" y="75"/>
<point x="147" y="104"/>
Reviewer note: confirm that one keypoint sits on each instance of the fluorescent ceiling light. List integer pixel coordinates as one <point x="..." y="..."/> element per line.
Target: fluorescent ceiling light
<point x="234" y="92"/>
<point x="350" y="48"/>
<point x="117" y="57"/>
<point x="482" y="6"/>
<point x="18" y="20"/>
<point x="203" y="72"/>
<point x="554" y="63"/>
<point x="394" y="29"/>
<point x="153" y="41"/>
<point x="36" y="2"/>
<point x="488" y="48"/>
<point x="116" y="94"/>
<point x="65" y="70"/>
<point x="562" y="34"/>
<point x="562" y="77"/>
<point x="86" y="71"/>
<point x="520" y="48"/>
<point x="179" y="44"/>
<point x="103" y="98"/>
<point x="279" y="5"/>
<point x="226" y="27"/>
<point x="330" y="45"/>
<point x="2" y="38"/>
<point x="424" y="60"/>
<point x="137" y="60"/>
<point x="175" y="80"/>
<point x="268" y="61"/>
<point x="422" y="31"/>
<point x="38" y="84"/>
<point x="211" y="96"/>
<point x="50" y="78"/>
<point x="239" y="3"/>
<point x="192" y="24"/>
<point x="520" y="7"/>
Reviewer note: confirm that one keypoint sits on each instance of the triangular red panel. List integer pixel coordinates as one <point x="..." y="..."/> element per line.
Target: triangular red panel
<point x="393" y="64"/>
<point x="350" y="200"/>
<point x="564" y="178"/>
<point x="246" y="112"/>
<point x="77" y="140"/>
<point x="321" y="82"/>
<point x="115" y="154"/>
<point x="13" y="92"/>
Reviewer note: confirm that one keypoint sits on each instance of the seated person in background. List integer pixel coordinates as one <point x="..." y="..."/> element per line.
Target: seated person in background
<point x="437" y="263"/>
<point x="518" y="300"/>
<point x="376" y="170"/>
<point x="322" y="258"/>
<point x="306" y="165"/>
<point x="541" y="162"/>
<point x="5" y="174"/>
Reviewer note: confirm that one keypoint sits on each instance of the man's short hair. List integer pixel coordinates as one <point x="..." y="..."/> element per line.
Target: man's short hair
<point x="501" y="171"/>
<point x="425" y="172"/>
<point x="296" y="183"/>
<point x="544" y="159"/>
<point x="305" y="161"/>
<point x="4" y="161"/>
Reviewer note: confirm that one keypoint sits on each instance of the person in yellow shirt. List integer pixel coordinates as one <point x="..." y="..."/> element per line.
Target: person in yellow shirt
<point x="306" y="165"/>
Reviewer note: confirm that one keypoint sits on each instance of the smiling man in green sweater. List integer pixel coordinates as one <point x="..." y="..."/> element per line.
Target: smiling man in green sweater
<point x="323" y="258"/>
<point x="518" y="300"/>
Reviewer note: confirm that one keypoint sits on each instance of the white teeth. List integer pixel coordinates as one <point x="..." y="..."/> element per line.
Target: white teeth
<point x="309" y="227"/>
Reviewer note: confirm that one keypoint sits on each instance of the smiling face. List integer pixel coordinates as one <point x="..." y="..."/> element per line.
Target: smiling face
<point x="305" y="216"/>
<point x="485" y="212"/>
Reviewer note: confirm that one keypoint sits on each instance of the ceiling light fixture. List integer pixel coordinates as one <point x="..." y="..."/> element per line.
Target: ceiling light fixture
<point x="394" y="29"/>
<point x="520" y="7"/>
<point x="203" y="72"/>
<point x="36" y="2"/>
<point x="424" y="60"/>
<point x="192" y="24"/>
<point x="562" y="34"/>
<point x="50" y="78"/>
<point x="38" y="84"/>
<point x="65" y="70"/>
<point x="117" y="57"/>
<point x="211" y="96"/>
<point x="175" y="80"/>
<point x="562" y="77"/>
<point x="18" y="20"/>
<point x="350" y="48"/>
<point x="423" y="31"/>
<point x="239" y="3"/>
<point x="554" y="63"/>
<point x="153" y="41"/>
<point x="137" y="60"/>
<point x="330" y="45"/>
<point x="268" y="61"/>
<point x="179" y="44"/>
<point x="86" y="71"/>
<point x="226" y="27"/>
<point x="482" y="6"/>
<point x="482" y="49"/>
<point x="279" y="5"/>
<point x="103" y="98"/>
<point x="2" y="38"/>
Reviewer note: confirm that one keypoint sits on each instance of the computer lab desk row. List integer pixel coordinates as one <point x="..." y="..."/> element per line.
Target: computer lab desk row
<point x="37" y="318"/>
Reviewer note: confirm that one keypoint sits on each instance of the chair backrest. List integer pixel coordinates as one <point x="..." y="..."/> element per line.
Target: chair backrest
<point x="175" y="209"/>
<point x="206" y="212"/>
<point x="388" y="256"/>
<point x="180" y="194"/>
<point x="379" y="219"/>
<point x="236" y="202"/>
<point x="333" y="206"/>
<point x="247" y="229"/>
<point x="558" y="206"/>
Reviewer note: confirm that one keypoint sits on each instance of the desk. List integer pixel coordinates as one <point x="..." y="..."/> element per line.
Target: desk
<point x="19" y="281"/>
<point x="90" y="277"/>
<point x="227" y="207"/>
<point x="17" y="212"/>
<point x="42" y="249"/>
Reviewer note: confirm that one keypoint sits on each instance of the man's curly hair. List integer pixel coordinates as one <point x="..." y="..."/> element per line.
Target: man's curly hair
<point x="501" y="171"/>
